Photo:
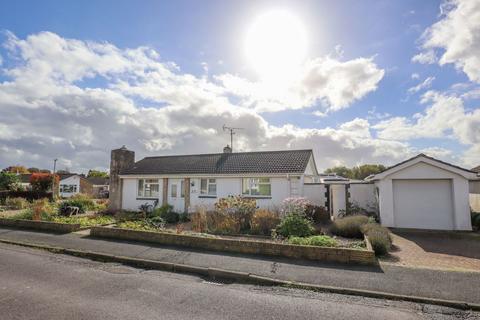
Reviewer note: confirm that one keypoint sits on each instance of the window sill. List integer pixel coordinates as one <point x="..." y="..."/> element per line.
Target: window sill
<point x="205" y="196"/>
<point x="147" y="198"/>
<point x="257" y="197"/>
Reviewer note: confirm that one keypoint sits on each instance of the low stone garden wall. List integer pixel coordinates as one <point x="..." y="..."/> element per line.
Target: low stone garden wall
<point x="343" y="255"/>
<point x="40" y="225"/>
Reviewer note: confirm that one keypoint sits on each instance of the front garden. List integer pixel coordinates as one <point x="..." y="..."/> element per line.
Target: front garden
<point x="296" y="222"/>
<point x="90" y="212"/>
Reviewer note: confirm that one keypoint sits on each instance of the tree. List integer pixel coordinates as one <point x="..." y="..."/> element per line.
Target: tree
<point x="65" y="171"/>
<point x="16" y="169"/>
<point x="363" y="171"/>
<point x="42" y="181"/>
<point x="8" y="181"/>
<point x="340" y="171"/>
<point x="357" y="172"/>
<point x="96" y="173"/>
<point x="33" y="170"/>
<point x="45" y="171"/>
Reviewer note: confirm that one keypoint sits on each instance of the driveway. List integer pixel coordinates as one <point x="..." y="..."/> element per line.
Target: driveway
<point x="437" y="250"/>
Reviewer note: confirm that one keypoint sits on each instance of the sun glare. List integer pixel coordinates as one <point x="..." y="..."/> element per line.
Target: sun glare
<point x="276" y="45"/>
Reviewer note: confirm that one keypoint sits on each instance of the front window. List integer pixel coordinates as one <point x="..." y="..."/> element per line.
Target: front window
<point x="182" y="188"/>
<point x="148" y="188"/>
<point x="173" y="190"/>
<point x="68" y="188"/>
<point x="256" y="187"/>
<point x="208" y="187"/>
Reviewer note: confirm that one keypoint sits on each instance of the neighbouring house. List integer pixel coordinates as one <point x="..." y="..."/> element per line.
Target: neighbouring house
<point x="24" y="180"/>
<point x="100" y="186"/>
<point x="72" y="184"/>
<point x="188" y="181"/>
<point x="424" y="193"/>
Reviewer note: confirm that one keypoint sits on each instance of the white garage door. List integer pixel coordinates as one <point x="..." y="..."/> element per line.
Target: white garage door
<point x="423" y="204"/>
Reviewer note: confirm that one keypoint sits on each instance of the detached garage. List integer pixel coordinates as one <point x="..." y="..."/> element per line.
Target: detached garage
<point x="424" y="193"/>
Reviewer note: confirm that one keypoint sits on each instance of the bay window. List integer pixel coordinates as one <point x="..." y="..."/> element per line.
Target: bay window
<point x="256" y="187"/>
<point x="148" y="188"/>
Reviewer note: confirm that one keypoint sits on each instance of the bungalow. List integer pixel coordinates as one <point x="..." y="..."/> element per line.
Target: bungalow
<point x="100" y="186"/>
<point x="72" y="184"/>
<point x="188" y="181"/>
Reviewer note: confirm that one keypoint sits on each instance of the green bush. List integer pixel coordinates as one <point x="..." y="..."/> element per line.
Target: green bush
<point x="295" y="225"/>
<point x="82" y="201"/>
<point x="166" y="213"/>
<point x="320" y="241"/>
<point x="379" y="237"/>
<point x="184" y="217"/>
<point x="349" y="227"/>
<point x="85" y="221"/>
<point x="476" y="220"/>
<point x="16" y="203"/>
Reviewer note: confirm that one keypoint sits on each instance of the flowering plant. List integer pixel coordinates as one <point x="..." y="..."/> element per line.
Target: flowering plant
<point x="296" y="206"/>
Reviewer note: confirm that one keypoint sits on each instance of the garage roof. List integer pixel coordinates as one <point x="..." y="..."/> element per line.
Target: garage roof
<point x="468" y="174"/>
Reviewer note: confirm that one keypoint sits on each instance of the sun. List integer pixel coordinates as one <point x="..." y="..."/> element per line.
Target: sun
<point x="276" y="44"/>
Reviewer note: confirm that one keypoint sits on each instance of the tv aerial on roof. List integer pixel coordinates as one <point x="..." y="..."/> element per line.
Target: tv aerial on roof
<point x="232" y="132"/>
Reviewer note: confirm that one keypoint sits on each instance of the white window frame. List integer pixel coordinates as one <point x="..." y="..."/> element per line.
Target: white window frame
<point x="145" y="190"/>
<point x="68" y="188"/>
<point x="254" y="183"/>
<point x="210" y="188"/>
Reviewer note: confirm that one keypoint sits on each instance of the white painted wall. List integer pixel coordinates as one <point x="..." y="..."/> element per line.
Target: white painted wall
<point x="226" y="186"/>
<point x="130" y="201"/>
<point x="315" y="193"/>
<point x="363" y="195"/>
<point x="422" y="170"/>
<point x="73" y="180"/>
<point x="337" y="199"/>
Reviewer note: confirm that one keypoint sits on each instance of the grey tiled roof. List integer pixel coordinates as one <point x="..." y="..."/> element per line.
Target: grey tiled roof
<point x="289" y="161"/>
<point x="476" y="169"/>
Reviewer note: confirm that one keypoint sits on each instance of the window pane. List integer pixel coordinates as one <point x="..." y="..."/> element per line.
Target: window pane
<point x="203" y="186"/>
<point x="265" y="189"/>
<point x="212" y="189"/>
<point x="173" y="191"/>
<point x="264" y="180"/>
<point x="182" y="189"/>
<point x="151" y="181"/>
<point x="245" y="186"/>
<point x="140" y="188"/>
<point x="211" y="180"/>
<point x="154" y="188"/>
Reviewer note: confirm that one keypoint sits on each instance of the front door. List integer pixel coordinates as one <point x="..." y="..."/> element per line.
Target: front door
<point x="176" y="194"/>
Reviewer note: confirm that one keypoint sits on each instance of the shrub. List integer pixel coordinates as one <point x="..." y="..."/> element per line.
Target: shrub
<point x="83" y="202"/>
<point x="124" y="215"/>
<point x="379" y="237"/>
<point x="263" y="221"/>
<point x="349" y="227"/>
<point x="16" y="203"/>
<point x="476" y="220"/>
<point x="222" y="223"/>
<point x="240" y="208"/>
<point x="295" y="225"/>
<point x="199" y="220"/>
<point x="8" y="181"/>
<point x="294" y="206"/>
<point x="317" y="214"/>
<point x="184" y="217"/>
<point x="43" y="181"/>
<point x="85" y="221"/>
<point x="142" y="225"/>
<point x="320" y="241"/>
<point x="166" y="213"/>
<point x="40" y="210"/>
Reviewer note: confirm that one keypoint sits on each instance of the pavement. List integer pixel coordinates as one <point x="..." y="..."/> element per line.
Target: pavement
<point x="36" y="284"/>
<point x="436" y="284"/>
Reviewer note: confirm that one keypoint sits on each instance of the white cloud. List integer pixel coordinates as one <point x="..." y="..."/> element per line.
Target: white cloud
<point x="445" y="117"/>
<point x="50" y="108"/>
<point x="425" y="84"/>
<point x="457" y="36"/>
<point x="333" y="83"/>
<point x="415" y="76"/>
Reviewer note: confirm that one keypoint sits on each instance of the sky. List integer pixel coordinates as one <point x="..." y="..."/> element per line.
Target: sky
<point x="356" y="81"/>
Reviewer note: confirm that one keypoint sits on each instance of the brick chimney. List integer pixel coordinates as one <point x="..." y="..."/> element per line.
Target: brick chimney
<point x="227" y="149"/>
<point x="120" y="159"/>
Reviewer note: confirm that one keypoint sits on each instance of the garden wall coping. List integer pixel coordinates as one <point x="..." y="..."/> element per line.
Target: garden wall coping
<point x="40" y="225"/>
<point x="344" y="255"/>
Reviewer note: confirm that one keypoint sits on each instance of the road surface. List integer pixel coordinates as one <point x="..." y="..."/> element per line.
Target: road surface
<point x="40" y="285"/>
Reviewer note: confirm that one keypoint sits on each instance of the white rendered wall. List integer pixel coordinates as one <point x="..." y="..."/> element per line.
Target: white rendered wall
<point x="363" y="195"/>
<point x="130" y="201"/>
<point x="315" y="193"/>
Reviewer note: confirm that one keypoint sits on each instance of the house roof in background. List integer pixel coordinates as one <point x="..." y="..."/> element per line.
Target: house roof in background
<point x="476" y="169"/>
<point x="288" y="161"/>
